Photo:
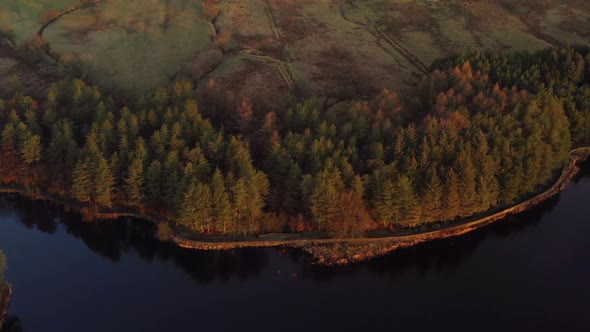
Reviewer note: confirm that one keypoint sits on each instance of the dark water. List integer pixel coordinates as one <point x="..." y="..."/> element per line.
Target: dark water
<point x="529" y="273"/>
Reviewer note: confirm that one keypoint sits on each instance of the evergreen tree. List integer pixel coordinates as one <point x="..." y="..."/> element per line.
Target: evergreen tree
<point x="451" y="202"/>
<point x="153" y="180"/>
<point x="104" y="183"/>
<point x="467" y="185"/>
<point x="31" y="149"/>
<point x="221" y="205"/>
<point x="82" y="184"/>
<point x="134" y="182"/>
<point x="408" y="202"/>
<point x="432" y="198"/>
<point x="240" y="197"/>
<point x="386" y="205"/>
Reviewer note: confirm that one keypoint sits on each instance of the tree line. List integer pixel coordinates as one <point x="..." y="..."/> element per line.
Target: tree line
<point x="481" y="130"/>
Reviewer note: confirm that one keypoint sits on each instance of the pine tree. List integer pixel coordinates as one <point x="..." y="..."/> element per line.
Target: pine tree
<point x="324" y="203"/>
<point x="386" y="205"/>
<point x="134" y="182"/>
<point x="104" y="183"/>
<point x="204" y="206"/>
<point x="31" y="149"/>
<point x="451" y="202"/>
<point x="467" y="186"/>
<point x="291" y="199"/>
<point x="432" y="198"/>
<point x="153" y="180"/>
<point x="409" y="204"/>
<point x="221" y="205"/>
<point x="195" y="211"/>
<point x="171" y="179"/>
<point x="82" y="186"/>
<point x="187" y="212"/>
<point x="240" y="197"/>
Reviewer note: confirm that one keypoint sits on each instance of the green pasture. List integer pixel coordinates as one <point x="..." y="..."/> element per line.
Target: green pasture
<point x="135" y="45"/>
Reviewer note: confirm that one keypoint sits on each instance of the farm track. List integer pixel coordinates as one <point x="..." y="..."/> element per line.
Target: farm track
<point x="398" y="46"/>
<point x="372" y="27"/>
<point x="539" y="34"/>
<point x="272" y="21"/>
<point x="213" y="30"/>
<point x="282" y="66"/>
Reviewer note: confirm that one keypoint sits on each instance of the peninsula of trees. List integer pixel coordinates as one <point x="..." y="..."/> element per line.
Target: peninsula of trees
<point x="480" y="131"/>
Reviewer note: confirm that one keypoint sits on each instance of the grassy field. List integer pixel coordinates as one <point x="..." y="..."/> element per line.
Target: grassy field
<point x="24" y="16"/>
<point x="137" y="45"/>
<point x="263" y="49"/>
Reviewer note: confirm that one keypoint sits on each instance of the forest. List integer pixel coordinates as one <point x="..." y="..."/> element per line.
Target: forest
<point x="479" y="131"/>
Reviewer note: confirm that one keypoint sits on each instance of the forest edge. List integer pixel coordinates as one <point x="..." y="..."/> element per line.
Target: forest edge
<point x="329" y="251"/>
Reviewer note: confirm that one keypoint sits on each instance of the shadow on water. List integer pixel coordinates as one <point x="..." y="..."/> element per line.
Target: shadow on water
<point x="12" y="324"/>
<point x="439" y="255"/>
<point x="114" y="239"/>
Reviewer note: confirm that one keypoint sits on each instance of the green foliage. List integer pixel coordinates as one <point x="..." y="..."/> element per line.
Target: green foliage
<point x="482" y="129"/>
<point x="82" y="181"/>
<point x="220" y="202"/>
<point x="134" y="182"/>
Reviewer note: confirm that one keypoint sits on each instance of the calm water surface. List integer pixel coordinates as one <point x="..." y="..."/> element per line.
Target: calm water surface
<point x="531" y="272"/>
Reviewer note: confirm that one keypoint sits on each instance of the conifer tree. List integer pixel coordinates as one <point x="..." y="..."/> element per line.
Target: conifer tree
<point x="451" y="202"/>
<point x="221" y="205"/>
<point x="467" y="185"/>
<point x="386" y="205"/>
<point x="134" y="182"/>
<point x="104" y="183"/>
<point x="82" y="184"/>
<point x="432" y="198"/>
<point x="153" y="180"/>
<point x="409" y="204"/>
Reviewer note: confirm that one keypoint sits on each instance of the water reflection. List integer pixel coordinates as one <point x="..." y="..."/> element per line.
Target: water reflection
<point x="113" y="239"/>
<point x="12" y="324"/>
<point x="127" y="270"/>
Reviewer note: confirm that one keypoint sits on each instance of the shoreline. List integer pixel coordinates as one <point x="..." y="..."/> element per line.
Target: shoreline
<point x="329" y="251"/>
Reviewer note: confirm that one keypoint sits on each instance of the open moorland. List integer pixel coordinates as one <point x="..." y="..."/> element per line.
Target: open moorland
<point x="264" y="49"/>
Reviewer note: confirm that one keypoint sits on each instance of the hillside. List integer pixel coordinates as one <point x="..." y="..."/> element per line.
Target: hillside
<point x="250" y="117"/>
<point x="262" y="50"/>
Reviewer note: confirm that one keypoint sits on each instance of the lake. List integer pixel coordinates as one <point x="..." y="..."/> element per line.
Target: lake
<point x="529" y="272"/>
